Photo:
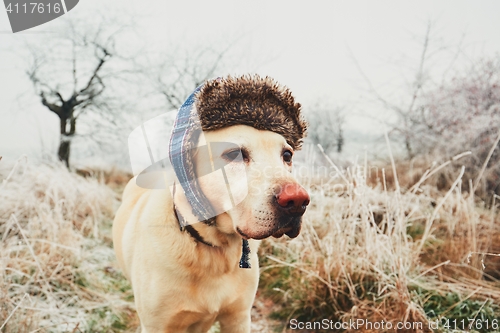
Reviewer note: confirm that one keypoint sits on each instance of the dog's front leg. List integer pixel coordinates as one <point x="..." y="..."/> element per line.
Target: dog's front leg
<point x="235" y="322"/>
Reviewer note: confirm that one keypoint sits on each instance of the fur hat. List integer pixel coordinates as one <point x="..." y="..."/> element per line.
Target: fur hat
<point x="254" y="101"/>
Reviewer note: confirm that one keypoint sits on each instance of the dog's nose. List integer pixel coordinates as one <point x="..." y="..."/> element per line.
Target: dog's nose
<point x="293" y="198"/>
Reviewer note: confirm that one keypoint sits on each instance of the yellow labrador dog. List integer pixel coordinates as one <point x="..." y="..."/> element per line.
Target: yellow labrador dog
<point x="186" y="281"/>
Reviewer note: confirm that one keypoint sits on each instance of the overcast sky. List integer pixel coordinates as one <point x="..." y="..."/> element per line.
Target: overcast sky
<point x="312" y="47"/>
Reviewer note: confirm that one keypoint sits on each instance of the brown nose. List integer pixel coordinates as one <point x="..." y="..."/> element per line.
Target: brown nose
<point x="293" y="198"/>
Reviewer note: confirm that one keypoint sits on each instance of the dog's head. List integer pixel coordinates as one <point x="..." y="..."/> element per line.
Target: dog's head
<point x="261" y="126"/>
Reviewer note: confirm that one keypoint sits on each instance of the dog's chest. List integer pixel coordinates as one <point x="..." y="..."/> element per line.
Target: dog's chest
<point x="215" y="294"/>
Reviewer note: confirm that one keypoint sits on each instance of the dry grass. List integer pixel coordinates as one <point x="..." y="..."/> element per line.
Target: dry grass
<point x="56" y="271"/>
<point x="392" y="253"/>
<point x="372" y="247"/>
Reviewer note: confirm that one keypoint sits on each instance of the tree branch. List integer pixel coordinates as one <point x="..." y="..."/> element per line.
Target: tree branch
<point x="52" y="107"/>
<point x="102" y="60"/>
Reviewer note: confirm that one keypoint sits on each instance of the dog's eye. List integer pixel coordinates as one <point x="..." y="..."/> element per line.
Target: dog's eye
<point x="287" y="156"/>
<point x="231" y="155"/>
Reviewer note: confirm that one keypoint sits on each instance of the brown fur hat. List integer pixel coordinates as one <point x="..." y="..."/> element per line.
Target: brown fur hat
<point x="254" y="101"/>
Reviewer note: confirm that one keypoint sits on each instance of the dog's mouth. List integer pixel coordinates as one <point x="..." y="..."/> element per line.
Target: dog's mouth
<point x="291" y="229"/>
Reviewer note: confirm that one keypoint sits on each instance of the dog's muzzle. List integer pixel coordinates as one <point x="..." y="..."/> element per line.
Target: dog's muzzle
<point x="291" y="203"/>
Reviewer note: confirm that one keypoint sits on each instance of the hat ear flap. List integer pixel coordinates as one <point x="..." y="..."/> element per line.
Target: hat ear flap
<point x="185" y="135"/>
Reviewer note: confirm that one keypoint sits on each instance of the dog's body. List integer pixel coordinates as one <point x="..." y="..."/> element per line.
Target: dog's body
<point x="181" y="285"/>
<point x="185" y="281"/>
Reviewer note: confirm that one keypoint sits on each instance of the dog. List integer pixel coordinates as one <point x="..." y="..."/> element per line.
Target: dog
<point x="186" y="279"/>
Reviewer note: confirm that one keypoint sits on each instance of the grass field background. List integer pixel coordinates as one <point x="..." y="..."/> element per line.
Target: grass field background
<point x="377" y="244"/>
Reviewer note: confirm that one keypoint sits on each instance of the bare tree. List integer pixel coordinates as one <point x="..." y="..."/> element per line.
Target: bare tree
<point x="326" y="127"/>
<point x="455" y="112"/>
<point x="70" y="73"/>
<point x="178" y="71"/>
<point x="411" y="120"/>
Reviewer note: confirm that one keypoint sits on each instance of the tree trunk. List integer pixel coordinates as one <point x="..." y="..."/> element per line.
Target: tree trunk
<point x="340" y="140"/>
<point x="409" y="150"/>
<point x="64" y="150"/>
<point x="65" y="141"/>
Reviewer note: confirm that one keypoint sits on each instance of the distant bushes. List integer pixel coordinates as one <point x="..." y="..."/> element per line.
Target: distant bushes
<point x="461" y="114"/>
